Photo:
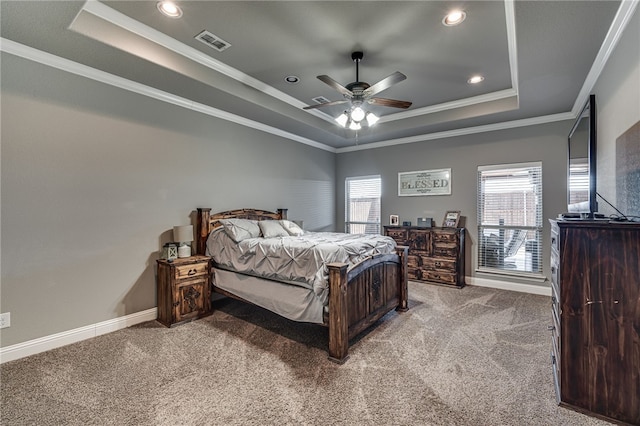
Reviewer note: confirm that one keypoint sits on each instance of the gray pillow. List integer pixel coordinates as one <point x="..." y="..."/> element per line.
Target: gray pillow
<point x="240" y="229"/>
<point x="292" y="228"/>
<point x="272" y="228"/>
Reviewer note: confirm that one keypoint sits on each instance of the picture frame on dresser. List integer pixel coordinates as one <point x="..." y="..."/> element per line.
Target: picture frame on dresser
<point x="394" y="220"/>
<point x="451" y="219"/>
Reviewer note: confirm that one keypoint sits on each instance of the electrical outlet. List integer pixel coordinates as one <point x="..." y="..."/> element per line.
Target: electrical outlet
<point x="5" y="320"/>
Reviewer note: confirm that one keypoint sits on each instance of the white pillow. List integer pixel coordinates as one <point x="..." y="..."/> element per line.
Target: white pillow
<point x="292" y="228"/>
<point x="272" y="228"/>
<point x="240" y="229"/>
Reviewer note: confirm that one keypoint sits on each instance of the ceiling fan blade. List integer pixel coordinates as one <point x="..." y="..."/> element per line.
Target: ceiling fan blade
<point x="326" y="104"/>
<point x="384" y="84"/>
<point x="339" y="87"/>
<point x="389" y="103"/>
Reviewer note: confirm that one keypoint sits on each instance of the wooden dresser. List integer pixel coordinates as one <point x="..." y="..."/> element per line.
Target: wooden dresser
<point x="595" y="268"/>
<point x="436" y="255"/>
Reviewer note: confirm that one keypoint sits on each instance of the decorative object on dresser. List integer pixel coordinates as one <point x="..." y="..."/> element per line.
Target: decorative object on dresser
<point x="595" y="351"/>
<point x="169" y="251"/>
<point x="436" y="255"/>
<point x="394" y="220"/>
<point x="360" y="288"/>
<point x="425" y="222"/>
<point x="451" y="219"/>
<point x="183" y="235"/>
<point x="184" y="291"/>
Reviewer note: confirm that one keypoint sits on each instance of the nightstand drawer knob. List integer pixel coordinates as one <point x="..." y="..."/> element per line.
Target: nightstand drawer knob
<point x="192" y="272"/>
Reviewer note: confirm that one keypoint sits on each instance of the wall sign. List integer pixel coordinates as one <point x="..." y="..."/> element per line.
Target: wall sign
<point x="426" y="182"/>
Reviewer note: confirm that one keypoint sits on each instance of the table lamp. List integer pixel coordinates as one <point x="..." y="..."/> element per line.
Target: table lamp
<point x="183" y="235"/>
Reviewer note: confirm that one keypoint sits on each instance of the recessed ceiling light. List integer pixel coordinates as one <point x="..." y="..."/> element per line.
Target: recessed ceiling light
<point x="475" y="79"/>
<point x="292" y="79"/>
<point x="169" y="8"/>
<point x="454" y="17"/>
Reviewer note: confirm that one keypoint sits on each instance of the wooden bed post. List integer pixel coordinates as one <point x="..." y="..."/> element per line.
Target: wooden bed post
<point x="338" y="318"/>
<point x="202" y="229"/>
<point x="403" y="306"/>
<point x="282" y="213"/>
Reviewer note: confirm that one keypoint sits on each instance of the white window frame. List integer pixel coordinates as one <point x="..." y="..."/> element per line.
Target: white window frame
<point x="356" y="226"/>
<point x="494" y="237"/>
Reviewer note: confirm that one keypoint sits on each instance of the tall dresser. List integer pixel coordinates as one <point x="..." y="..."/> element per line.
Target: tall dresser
<point x="595" y="269"/>
<point x="436" y="255"/>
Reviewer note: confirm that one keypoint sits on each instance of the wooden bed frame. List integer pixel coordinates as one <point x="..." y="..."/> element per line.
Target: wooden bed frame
<point x="357" y="297"/>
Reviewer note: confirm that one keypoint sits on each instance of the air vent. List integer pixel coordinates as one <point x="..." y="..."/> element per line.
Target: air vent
<point x="321" y="100"/>
<point x="212" y="41"/>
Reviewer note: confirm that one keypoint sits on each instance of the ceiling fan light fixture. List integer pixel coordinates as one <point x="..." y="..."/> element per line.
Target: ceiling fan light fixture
<point x="455" y="17"/>
<point x="357" y="114"/>
<point x="355" y="125"/>
<point x="372" y="118"/>
<point x="169" y="8"/>
<point x="342" y="119"/>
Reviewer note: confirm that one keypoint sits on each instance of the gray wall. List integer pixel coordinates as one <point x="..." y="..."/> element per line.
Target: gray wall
<point x="94" y="178"/>
<point x="546" y="143"/>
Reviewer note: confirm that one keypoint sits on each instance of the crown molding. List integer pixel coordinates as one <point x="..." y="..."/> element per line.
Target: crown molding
<point x="620" y="21"/>
<point x="462" y="132"/>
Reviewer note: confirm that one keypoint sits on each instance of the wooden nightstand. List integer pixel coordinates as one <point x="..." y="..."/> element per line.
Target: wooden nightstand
<point x="184" y="292"/>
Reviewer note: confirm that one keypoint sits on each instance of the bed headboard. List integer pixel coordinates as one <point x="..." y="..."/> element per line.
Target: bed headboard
<point x="207" y="222"/>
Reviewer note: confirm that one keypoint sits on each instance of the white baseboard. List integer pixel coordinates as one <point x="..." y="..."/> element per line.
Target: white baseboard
<point x="42" y="344"/>
<point x="505" y="285"/>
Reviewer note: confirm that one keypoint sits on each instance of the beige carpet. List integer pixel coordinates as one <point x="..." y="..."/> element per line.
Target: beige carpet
<point x="473" y="356"/>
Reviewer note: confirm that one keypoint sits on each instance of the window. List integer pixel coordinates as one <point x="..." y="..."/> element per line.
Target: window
<point x="510" y="218"/>
<point x="362" y="203"/>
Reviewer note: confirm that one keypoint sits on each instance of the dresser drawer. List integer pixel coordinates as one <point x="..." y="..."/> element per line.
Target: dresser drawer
<point x="445" y="236"/>
<point x="191" y="270"/>
<point x="436" y="263"/>
<point x="438" y="276"/>
<point x="446" y="250"/>
<point x="414" y="273"/>
<point x="413" y="261"/>
<point x="555" y="238"/>
<point x="398" y="234"/>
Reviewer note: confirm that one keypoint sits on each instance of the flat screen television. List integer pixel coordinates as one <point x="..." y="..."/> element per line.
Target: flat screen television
<point x="582" y="151"/>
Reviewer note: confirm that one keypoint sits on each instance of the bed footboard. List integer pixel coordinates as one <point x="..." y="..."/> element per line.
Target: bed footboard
<point x="360" y="297"/>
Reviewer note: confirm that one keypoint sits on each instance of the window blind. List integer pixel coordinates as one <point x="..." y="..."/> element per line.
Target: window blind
<point x="510" y="217"/>
<point x="362" y="205"/>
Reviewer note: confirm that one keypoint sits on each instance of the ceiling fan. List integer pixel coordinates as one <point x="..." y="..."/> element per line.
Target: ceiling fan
<point x="359" y="93"/>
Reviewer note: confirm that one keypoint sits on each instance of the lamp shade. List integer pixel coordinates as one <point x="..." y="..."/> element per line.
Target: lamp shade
<point x="183" y="234"/>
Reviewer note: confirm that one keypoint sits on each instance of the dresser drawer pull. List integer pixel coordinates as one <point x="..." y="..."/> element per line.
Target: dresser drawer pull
<point x="192" y="272"/>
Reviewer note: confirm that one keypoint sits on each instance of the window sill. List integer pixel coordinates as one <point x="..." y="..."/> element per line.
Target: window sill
<point x="525" y="276"/>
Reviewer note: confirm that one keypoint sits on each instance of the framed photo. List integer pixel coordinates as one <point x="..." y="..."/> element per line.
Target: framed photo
<point x="425" y="182"/>
<point x="394" y="220"/>
<point x="451" y="219"/>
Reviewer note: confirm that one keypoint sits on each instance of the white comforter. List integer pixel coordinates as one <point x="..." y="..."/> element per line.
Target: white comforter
<point x="299" y="260"/>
